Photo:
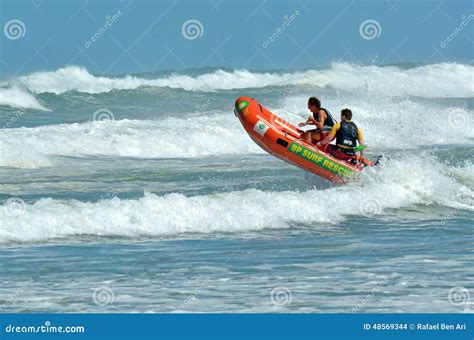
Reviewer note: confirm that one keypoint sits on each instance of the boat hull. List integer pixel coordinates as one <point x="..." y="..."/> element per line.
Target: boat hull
<point x="283" y="140"/>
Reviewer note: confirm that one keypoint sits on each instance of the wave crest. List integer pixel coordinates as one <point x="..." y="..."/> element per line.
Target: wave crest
<point x="400" y="184"/>
<point x="19" y="98"/>
<point x="436" y="80"/>
<point x="167" y="138"/>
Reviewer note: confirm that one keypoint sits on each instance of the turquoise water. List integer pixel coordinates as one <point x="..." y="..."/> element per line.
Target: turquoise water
<point x="145" y="194"/>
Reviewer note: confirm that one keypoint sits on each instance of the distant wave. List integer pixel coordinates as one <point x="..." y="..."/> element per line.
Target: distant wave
<point x="17" y="97"/>
<point x="435" y="80"/>
<point x="387" y="125"/>
<point x="168" y="138"/>
<point x="402" y="183"/>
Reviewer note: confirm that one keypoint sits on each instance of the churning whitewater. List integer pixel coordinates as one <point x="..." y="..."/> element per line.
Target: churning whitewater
<point x="174" y="214"/>
<point x="420" y="115"/>
<point x="139" y="171"/>
<point x="431" y="81"/>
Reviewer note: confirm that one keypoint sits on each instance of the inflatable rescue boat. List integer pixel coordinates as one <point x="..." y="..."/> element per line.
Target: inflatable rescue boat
<point x="283" y="140"/>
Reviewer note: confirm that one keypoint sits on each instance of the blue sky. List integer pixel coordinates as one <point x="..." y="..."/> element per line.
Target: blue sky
<point x="147" y="35"/>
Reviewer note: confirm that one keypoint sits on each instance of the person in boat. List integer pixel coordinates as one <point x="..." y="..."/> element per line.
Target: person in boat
<point x="347" y="135"/>
<point x="321" y="118"/>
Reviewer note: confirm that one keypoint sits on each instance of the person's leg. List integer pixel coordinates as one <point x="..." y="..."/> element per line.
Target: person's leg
<point x="316" y="137"/>
<point x="322" y="135"/>
<point x="330" y="149"/>
<point x="342" y="156"/>
<point x="339" y="154"/>
<point x="308" y="136"/>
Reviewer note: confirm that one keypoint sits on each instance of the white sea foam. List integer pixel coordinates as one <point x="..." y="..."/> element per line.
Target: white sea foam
<point x="19" y="98"/>
<point x="465" y="173"/>
<point x="395" y="125"/>
<point x="168" y="138"/>
<point x="400" y="184"/>
<point x="436" y="80"/>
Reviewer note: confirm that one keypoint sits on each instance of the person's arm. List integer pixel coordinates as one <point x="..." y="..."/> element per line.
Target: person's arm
<point x="308" y="122"/>
<point x="360" y="138"/>
<point x="311" y="120"/>
<point x="331" y="135"/>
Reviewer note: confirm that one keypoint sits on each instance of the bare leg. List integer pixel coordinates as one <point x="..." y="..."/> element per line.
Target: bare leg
<point x="316" y="137"/>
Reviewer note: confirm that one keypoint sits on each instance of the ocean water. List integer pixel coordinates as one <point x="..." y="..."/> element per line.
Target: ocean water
<point x="142" y="193"/>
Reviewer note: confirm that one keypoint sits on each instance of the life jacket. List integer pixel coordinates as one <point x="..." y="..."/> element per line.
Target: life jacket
<point x="329" y="121"/>
<point x="346" y="136"/>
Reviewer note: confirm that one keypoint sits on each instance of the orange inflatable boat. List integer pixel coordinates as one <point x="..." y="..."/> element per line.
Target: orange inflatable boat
<point x="284" y="140"/>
